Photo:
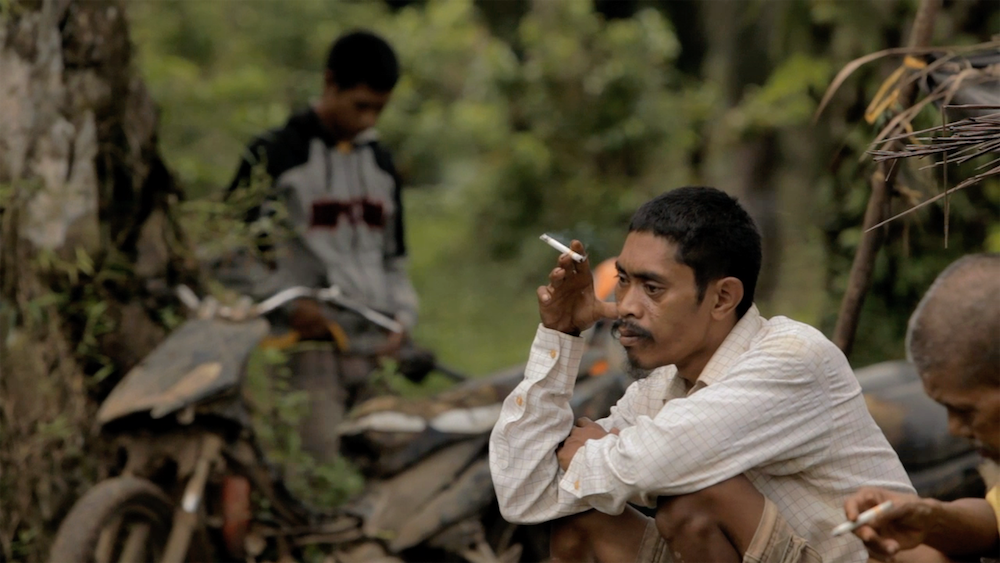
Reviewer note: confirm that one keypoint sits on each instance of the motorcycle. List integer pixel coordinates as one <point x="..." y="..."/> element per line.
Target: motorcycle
<point x="195" y="484"/>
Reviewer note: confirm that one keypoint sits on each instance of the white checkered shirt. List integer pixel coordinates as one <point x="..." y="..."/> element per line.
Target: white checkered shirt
<point x="777" y="402"/>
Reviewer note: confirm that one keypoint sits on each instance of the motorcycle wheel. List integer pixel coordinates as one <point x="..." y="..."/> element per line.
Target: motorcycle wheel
<point x="123" y="519"/>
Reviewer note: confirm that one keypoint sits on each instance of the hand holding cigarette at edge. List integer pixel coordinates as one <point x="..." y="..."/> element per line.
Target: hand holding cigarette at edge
<point x="568" y="303"/>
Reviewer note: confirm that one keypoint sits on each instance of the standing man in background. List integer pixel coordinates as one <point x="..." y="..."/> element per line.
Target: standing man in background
<point x="344" y="211"/>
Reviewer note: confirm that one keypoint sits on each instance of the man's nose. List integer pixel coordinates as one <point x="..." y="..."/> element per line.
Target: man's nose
<point x="369" y="119"/>
<point x="628" y="304"/>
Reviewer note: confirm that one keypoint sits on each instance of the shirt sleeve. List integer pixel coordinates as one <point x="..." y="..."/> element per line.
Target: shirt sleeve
<point x="771" y="407"/>
<point x="534" y="419"/>
<point x="623" y="414"/>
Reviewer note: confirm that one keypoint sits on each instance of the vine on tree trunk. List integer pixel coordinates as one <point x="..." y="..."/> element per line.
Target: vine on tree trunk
<point x="89" y="246"/>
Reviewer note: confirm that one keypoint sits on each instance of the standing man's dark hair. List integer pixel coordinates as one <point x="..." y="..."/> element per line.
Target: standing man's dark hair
<point x="361" y="57"/>
<point x="361" y="71"/>
<point x="715" y="236"/>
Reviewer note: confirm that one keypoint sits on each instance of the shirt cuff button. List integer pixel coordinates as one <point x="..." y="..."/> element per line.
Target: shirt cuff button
<point x="553" y="354"/>
<point x="519" y="400"/>
<point x="577" y="485"/>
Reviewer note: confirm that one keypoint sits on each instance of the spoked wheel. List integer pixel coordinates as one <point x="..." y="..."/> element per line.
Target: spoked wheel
<point x="121" y="520"/>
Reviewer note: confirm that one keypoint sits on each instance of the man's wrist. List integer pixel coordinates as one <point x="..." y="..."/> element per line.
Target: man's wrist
<point x="570" y="331"/>
<point x="934" y="519"/>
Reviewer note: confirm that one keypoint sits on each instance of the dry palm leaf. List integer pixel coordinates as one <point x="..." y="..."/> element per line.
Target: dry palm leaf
<point x="958" y="142"/>
<point x="949" y="75"/>
<point x="854" y="65"/>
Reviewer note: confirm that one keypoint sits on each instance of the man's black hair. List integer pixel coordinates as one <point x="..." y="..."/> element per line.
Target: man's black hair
<point x="363" y="58"/>
<point x="714" y="235"/>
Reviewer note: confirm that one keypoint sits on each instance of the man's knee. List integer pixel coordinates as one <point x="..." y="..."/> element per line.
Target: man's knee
<point x="702" y="512"/>
<point x="569" y="536"/>
<point x="594" y="535"/>
<point x="690" y="516"/>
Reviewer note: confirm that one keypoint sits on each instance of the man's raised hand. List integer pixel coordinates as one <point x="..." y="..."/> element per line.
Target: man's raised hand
<point x="568" y="303"/>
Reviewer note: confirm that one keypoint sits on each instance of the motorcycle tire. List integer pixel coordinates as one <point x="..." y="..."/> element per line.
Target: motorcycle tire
<point x="109" y="517"/>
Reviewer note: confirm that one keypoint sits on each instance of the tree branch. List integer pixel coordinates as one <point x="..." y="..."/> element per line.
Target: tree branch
<point x="882" y="188"/>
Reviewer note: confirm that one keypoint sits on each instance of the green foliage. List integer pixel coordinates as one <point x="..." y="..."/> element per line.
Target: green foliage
<point x="220" y="225"/>
<point x="565" y="132"/>
<point x="11" y="9"/>
<point x="6" y="195"/>
<point x="563" y="124"/>
<point x="223" y="72"/>
<point x="80" y="301"/>
<point x="787" y="99"/>
<point x="275" y="412"/>
<point x="555" y="119"/>
<point x="595" y="128"/>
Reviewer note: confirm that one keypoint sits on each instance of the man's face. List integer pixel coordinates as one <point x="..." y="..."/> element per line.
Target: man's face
<point x="354" y="109"/>
<point x="661" y="320"/>
<point x="973" y="411"/>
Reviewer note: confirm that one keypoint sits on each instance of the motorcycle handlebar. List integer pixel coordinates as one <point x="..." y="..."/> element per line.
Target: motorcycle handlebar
<point x="246" y="309"/>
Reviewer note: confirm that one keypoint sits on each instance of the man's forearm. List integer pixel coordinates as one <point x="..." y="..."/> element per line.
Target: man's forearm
<point x="535" y="417"/>
<point x="963" y="528"/>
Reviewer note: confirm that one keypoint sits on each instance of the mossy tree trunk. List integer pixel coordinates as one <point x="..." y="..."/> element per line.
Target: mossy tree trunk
<point x="88" y="249"/>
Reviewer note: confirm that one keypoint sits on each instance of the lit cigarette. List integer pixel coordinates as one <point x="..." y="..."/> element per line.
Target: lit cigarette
<point x="863" y="518"/>
<point x="562" y="248"/>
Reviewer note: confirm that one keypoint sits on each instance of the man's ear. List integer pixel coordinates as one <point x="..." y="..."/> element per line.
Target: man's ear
<point x="728" y="293"/>
<point x="328" y="80"/>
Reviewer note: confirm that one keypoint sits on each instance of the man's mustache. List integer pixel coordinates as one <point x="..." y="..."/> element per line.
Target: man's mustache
<point x="983" y="447"/>
<point x="630" y="328"/>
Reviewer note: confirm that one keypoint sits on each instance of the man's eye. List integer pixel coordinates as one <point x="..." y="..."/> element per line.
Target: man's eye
<point x="652" y="289"/>
<point x="622" y="280"/>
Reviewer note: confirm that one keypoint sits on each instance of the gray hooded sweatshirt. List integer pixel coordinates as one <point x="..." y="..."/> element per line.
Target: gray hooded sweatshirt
<point x="344" y="212"/>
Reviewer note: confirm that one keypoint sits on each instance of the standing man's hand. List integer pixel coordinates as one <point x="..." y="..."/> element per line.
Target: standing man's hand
<point x="393" y="342"/>
<point x="903" y="527"/>
<point x="568" y="303"/>
<point x="585" y="429"/>
<point x="308" y="320"/>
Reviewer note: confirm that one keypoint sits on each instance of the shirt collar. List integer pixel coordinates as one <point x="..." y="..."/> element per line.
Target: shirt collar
<point x="736" y="343"/>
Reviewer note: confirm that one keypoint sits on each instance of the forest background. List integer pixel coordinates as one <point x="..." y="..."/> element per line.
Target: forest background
<point x="515" y="118"/>
<point x="512" y="118"/>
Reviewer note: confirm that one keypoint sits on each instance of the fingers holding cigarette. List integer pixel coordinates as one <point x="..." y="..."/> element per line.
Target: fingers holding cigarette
<point x="556" y="276"/>
<point x="568" y="303"/>
<point x="887" y="522"/>
<point x="576" y="253"/>
<point x="863" y="519"/>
